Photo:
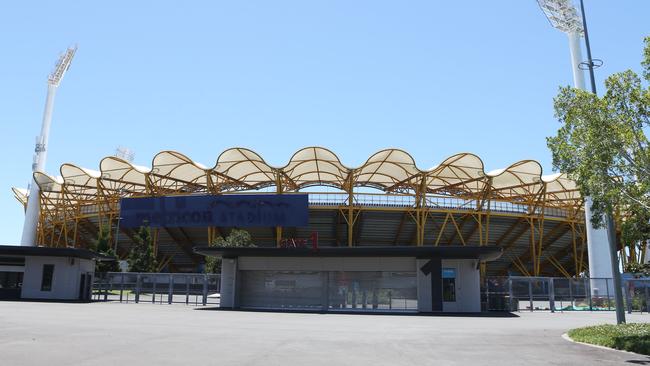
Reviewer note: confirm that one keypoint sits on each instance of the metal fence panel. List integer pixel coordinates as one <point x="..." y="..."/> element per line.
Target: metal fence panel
<point x="562" y="294"/>
<point x="158" y="288"/>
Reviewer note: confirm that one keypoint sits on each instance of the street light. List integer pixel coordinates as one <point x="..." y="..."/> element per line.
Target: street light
<point x="563" y="15"/>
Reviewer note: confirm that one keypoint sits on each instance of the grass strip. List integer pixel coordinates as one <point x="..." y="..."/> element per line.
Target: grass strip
<point x="634" y="337"/>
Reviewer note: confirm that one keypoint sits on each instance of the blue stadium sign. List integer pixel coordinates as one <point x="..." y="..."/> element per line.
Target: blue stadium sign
<point x="291" y="210"/>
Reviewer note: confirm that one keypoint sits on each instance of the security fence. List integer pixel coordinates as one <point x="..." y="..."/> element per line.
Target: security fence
<point x="162" y="288"/>
<point x="497" y="293"/>
<point x="562" y="294"/>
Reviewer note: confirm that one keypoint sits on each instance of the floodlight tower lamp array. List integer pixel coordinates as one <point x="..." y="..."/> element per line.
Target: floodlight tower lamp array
<point x="563" y="16"/>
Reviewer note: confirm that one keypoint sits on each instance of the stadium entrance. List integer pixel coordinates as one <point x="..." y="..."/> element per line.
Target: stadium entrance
<point x="385" y="279"/>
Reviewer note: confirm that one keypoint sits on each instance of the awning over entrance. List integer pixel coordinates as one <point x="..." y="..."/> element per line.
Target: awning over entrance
<point x="446" y="252"/>
<point x="52" y="252"/>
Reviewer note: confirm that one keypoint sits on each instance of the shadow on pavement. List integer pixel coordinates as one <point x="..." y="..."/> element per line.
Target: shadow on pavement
<point x="639" y="362"/>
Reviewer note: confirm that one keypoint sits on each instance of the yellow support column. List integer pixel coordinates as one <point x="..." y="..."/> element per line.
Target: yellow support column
<point x="279" y="190"/>
<point x="483" y="274"/>
<point x="350" y="216"/>
<point x="278" y="236"/>
<point x="489" y="211"/>
<point x="540" y="230"/>
<point x="575" y="249"/>
<point x="421" y="211"/>
<point x="533" y="249"/>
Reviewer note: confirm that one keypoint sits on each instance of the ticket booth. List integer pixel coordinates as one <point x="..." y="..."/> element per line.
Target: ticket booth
<point x="41" y="273"/>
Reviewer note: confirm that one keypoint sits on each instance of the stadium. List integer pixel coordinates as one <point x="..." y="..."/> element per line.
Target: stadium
<point x="537" y="220"/>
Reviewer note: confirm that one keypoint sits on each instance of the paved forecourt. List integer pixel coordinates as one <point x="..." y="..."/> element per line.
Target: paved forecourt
<point x="112" y="333"/>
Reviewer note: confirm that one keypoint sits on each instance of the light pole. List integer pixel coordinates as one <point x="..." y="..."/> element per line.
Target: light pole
<point x="590" y="62"/>
<point x="563" y="15"/>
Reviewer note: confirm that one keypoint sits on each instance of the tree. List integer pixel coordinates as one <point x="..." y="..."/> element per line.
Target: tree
<point x="102" y="246"/>
<point x="236" y="238"/>
<point x="141" y="257"/>
<point x="603" y="146"/>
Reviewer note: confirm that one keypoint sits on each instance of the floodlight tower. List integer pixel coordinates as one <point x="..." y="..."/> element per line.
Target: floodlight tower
<point x="40" y="151"/>
<point x="601" y="243"/>
<point x="563" y="16"/>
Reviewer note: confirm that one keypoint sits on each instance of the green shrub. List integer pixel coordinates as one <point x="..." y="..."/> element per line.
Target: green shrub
<point x="236" y="238"/>
<point x="141" y="257"/>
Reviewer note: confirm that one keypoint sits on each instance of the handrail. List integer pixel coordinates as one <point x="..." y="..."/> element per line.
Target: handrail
<point x="399" y="200"/>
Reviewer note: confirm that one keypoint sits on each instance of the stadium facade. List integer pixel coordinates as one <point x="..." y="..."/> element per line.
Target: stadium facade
<point x="538" y="221"/>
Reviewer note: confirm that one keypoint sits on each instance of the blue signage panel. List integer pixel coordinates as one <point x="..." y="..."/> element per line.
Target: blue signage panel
<point x="449" y="273"/>
<point x="229" y="210"/>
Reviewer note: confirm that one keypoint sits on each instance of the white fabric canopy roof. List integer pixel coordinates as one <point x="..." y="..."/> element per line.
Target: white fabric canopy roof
<point x="390" y="170"/>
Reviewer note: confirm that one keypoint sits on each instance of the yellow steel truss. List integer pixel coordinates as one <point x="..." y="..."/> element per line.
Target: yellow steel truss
<point x="441" y="202"/>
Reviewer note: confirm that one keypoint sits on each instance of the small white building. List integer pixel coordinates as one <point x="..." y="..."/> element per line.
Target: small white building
<point x="41" y="273"/>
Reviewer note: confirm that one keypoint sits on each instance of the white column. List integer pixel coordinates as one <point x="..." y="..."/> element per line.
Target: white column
<point x="600" y="265"/>
<point x="576" y="59"/>
<point x="424" y="287"/>
<point x="597" y="239"/>
<point x="228" y="291"/>
<point x="40" y="155"/>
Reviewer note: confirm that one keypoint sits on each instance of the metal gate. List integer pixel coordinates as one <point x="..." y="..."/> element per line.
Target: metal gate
<point x="158" y="288"/>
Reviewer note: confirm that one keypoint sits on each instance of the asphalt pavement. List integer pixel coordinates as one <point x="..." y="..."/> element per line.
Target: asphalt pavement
<point x="34" y="333"/>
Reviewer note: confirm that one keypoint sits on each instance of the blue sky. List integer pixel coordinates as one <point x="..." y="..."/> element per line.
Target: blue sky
<point x="433" y="78"/>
